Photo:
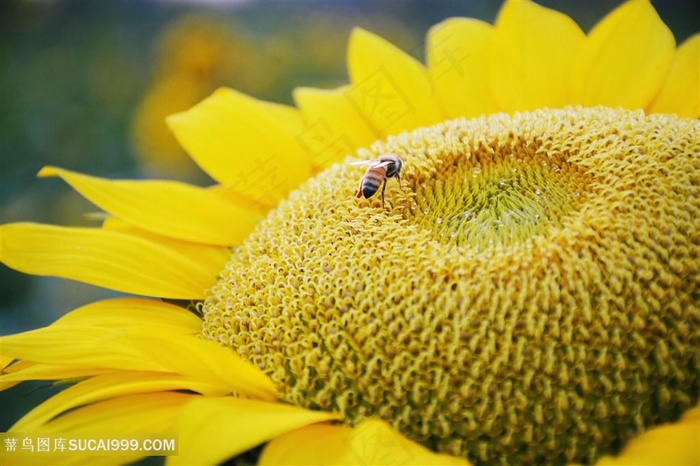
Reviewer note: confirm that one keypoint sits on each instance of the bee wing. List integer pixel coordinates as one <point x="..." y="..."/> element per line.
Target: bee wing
<point x="373" y="163"/>
<point x="363" y="162"/>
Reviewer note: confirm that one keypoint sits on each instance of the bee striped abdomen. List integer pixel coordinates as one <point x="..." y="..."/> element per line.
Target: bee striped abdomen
<point x="386" y="166"/>
<point x="369" y="184"/>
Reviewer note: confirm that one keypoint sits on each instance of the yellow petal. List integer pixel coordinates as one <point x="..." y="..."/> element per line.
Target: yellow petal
<point x="675" y="443"/>
<point x="531" y="55"/>
<point x="34" y="371"/>
<point x="625" y="59"/>
<point x="107" y="386"/>
<point x="248" y="145"/>
<point x="390" y="89"/>
<point x="371" y="442"/>
<point x="168" y="208"/>
<point x="74" y="346"/>
<point x="133" y="312"/>
<point x="156" y="148"/>
<point x="104" y="258"/>
<point x="681" y="91"/>
<point x="201" y="360"/>
<point x="149" y="415"/>
<point x="457" y="54"/>
<point x="208" y="256"/>
<point x="7" y="383"/>
<point x="238" y="199"/>
<point x="212" y="430"/>
<point x="333" y="127"/>
<point x="4" y="385"/>
<point x="140" y="349"/>
<point x="5" y="361"/>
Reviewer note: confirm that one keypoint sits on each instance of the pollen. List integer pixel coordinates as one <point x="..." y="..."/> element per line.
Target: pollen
<point x="529" y="293"/>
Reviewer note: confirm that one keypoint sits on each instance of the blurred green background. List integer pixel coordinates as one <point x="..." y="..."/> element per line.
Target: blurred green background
<point x="85" y="85"/>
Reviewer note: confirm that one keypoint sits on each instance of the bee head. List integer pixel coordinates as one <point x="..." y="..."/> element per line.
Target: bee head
<point x="394" y="167"/>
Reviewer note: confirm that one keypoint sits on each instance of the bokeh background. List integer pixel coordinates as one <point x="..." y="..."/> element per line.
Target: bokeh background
<point x="86" y="85"/>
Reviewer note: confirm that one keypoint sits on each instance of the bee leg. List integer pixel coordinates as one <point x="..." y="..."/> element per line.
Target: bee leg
<point x="383" y="188"/>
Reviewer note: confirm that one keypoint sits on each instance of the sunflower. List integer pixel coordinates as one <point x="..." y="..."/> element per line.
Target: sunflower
<point x="528" y="294"/>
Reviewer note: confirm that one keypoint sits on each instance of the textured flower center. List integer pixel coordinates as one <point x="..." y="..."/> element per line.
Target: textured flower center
<point x="530" y="293"/>
<point x="505" y="200"/>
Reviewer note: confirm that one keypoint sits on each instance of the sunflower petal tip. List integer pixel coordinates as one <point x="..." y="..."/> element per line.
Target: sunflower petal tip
<point x="230" y="91"/>
<point x="361" y="35"/>
<point x="299" y="91"/>
<point x="173" y="119"/>
<point x="47" y="171"/>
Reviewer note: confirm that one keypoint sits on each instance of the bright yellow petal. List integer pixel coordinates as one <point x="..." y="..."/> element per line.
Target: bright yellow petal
<point x="201" y="360"/>
<point x="208" y="256"/>
<point x="681" y="91"/>
<point x="74" y="346"/>
<point x="5" y="361"/>
<point x="107" y="386"/>
<point x="531" y="55"/>
<point x="156" y="148"/>
<point x="457" y="54"/>
<point x="248" y="145"/>
<point x="140" y="349"/>
<point x="288" y="119"/>
<point x="677" y="443"/>
<point x="212" y="430"/>
<point x="168" y="208"/>
<point x="34" y="371"/>
<point x="238" y="199"/>
<point x="104" y="258"/>
<point x="133" y="312"/>
<point x="625" y="59"/>
<point x="390" y="89"/>
<point x="124" y="417"/>
<point x="7" y="383"/>
<point x="334" y="128"/>
<point x="371" y="442"/>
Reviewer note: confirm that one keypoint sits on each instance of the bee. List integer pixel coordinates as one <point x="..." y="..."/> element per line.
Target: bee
<point x="386" y="166"/>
